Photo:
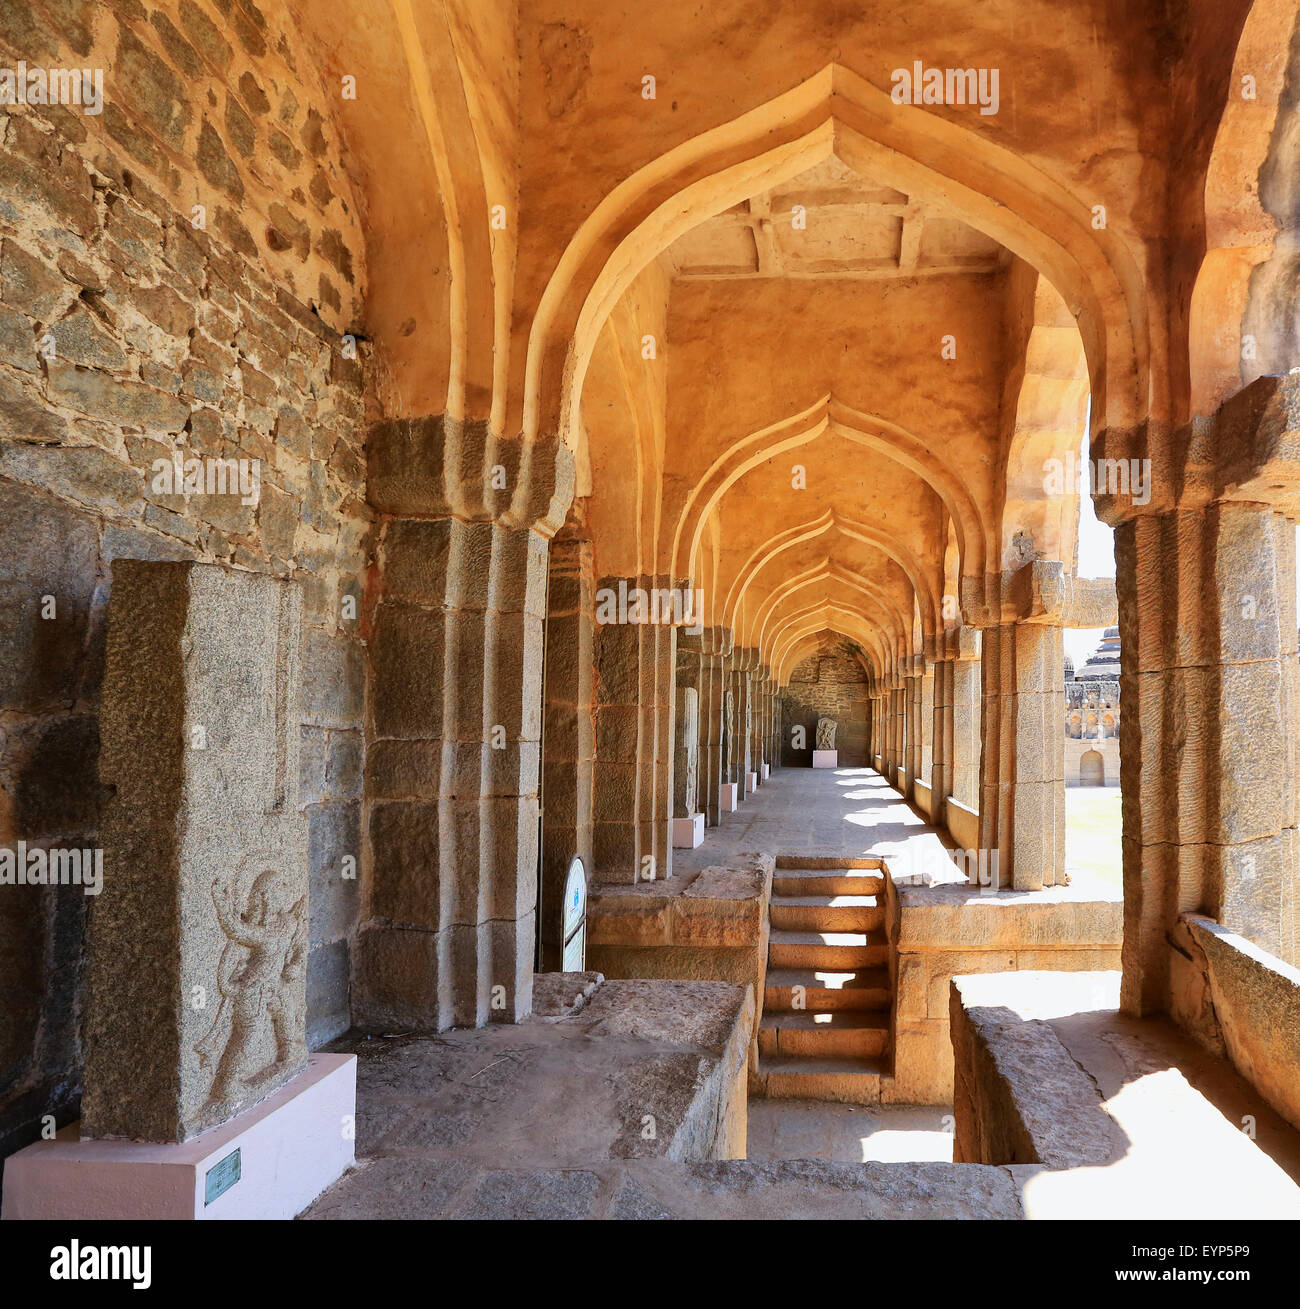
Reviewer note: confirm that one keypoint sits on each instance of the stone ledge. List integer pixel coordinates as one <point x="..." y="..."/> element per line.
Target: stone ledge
<point x="1240" y="1001"/>
<point x="566" y="1091"/>
<point x="1019" y="1096"/>
<point x="962" y="916"/>
<point x="722" y="905"/>
<point x="803" y="1188"/>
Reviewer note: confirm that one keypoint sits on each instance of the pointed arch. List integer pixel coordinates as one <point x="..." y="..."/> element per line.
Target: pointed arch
<point x="829" y="415"/>
<point x="853" y="530"/>
<point x="837" y="113"/>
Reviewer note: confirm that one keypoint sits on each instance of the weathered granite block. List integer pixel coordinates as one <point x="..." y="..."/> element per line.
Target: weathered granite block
<point x="198" y="946"/>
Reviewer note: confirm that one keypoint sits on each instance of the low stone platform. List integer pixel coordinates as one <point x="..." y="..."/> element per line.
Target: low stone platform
<point x="604" y="1070"/>
<point x="709" y="923"/>
<point x="706" y="924"/>
<point x="940" y="931"/>
<point x="653" y="1189"/>
<point x="1125" y="1117"/>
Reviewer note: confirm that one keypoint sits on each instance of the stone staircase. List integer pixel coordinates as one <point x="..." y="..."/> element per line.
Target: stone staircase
<point x="825" y="1031"/>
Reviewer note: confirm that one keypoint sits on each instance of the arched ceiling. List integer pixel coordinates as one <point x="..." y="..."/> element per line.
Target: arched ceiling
<point x="843" y="379"/>
<point x="812" y="350"/>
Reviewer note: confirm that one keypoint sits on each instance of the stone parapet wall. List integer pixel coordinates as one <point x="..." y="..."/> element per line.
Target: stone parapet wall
<point x="944" y="931"/>
<point x="1242" y="1003"/>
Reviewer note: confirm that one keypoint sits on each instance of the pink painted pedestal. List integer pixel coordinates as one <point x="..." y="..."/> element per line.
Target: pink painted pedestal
<point x="751" y="783"/>
<point x="826" y="758"/>
<point x="727" y="798"/>
<point x="291" y="1147"/>
<point x="767" y="770"/>
<point x="688" y="833"/>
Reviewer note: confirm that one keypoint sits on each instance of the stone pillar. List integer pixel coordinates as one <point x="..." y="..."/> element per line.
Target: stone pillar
<point x="743" y="684"/>
<point x="930" y="684"/>
<point x="662" y="652"/>
<point x="196" y="997"/>
<point x="568" y="738"/>
<point x="1022" y="761"/>
<point x="712" y="647"/>
<point x="457" y="609"/>
<point x="452" y="774"/>
<point x="758" y="722"/>
<point x="1022" y="769"/>
<point x="633" y="701"/>
<point x="1208" y="732"/>
<point x="898" y="742"/>
<point x="912" y="701"/>
<point x="967" y="731"/>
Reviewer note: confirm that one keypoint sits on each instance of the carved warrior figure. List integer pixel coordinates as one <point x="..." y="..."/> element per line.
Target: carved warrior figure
<point x="826" y="734"/>
<point x="259" y="978"/>
<point x="728" y="733"/>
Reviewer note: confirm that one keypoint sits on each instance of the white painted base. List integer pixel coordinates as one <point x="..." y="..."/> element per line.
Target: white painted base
<point x="727" y="797"/>
<point x="767" y="771"/>
<point x="826" y="758"/>
<point x="688" y="833"/>
<point x="751" y="783"/>
<point x="291" y="1147"/>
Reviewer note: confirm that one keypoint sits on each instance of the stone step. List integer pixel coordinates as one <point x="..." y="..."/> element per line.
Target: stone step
<point x="865" y="988"/>
<point x="827" y="913"/>
<point x="828" y="861"/>
<point x="846" y="1081"/>
<point x="841" y="951"/>
<point x="824" y="1035"/>
<point x="818" y="881"/>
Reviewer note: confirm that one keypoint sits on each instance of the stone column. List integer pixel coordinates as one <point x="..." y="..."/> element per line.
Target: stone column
<point x="633" y="700"/>
<point x="568" y="739"/>
<point x="661" y="650"/>
<point x="758" y="723"/>
<point x="452" y="774"/>
<point x="1022" y="761"/>
<point x="743" y="682"/>
<point x="912" y="697"/>
<point x="196" y="995"/>
<point x="931" y="688"/>
<point x="1208" y="731"/>
<point x="967" y="732"/>
<point x="713" y="646"/>
<point x="457" y="611"/>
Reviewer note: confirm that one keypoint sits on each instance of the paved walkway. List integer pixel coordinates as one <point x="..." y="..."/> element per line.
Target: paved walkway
<point x="842" y="812"/>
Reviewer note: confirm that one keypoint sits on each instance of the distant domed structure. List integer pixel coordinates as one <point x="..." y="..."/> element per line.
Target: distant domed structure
<point x="1092" y="715"/>
<point x="1103" y="663"/>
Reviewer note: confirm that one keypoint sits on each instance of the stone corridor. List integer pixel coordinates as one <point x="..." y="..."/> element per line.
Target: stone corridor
<point x="539" y="542"/>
